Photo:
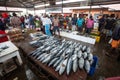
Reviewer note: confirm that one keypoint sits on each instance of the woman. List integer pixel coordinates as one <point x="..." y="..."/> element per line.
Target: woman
<point x="89" y="24"/>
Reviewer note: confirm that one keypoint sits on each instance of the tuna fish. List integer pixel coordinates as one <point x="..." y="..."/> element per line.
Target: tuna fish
<point x="87" y="66"/>
<point x="69" y="66"/>
<point x="63" y="66"/>
<point x="75" y="65"/>
<point x="81" y="63"/>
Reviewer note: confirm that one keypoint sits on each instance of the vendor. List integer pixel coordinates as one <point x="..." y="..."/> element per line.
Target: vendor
<point x="3" y="35"/>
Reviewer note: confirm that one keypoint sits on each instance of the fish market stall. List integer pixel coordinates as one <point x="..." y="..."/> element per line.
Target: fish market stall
<point x="62" y="59"/>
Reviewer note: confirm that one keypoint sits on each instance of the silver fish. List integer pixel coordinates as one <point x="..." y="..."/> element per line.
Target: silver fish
<point x="81" y="63"/>
<point x="63" y="66"/>
<point x="79" y="54"/>
<point x="88" y="50"/>
<point x="75" y="65"/>
<point x="84" y="48"/>
<point x="87" y="66"/>
<point x="47" y="59"/>
<point x="69" y="66"/>
<point x="58" y="67"/>
<point x="53" y="61"/>
<point x="90" y="56"/>
<point x="84" y="55"/>
<point x="41" y="56"/>
<point x="44" y="57"/>
<point x="57" y="62"/>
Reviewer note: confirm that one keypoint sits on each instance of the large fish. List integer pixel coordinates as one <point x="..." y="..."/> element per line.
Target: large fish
<point x="84" y="55"/>
<point x="84" y="48"/>
<point x="90" y="56"/>
<point x="63" y="66"/>
<point x="87" y="66"/>
<point x="79" y="54"/>
<point x="88" y="50"/>
<point x="75" y="65"/>
<point x="81" y="63"/>
<point x="69" y="66"/>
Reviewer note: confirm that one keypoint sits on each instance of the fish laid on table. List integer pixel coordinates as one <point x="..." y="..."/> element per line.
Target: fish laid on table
<point x="81" y="63"/>
<point x="63" y="56"/>
<point x="63" y="66"/>
<point x="87" y="66"/>
<point x="69" y="65"/>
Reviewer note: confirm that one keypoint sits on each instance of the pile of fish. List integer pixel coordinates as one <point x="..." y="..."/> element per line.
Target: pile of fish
<point x="63" y="55"/>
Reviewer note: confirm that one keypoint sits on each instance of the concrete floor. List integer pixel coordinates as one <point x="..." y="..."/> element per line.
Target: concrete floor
<point x="107" y="66"/>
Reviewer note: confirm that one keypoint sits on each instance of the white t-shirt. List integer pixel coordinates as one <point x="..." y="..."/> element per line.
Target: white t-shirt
<point x="46" y="21"/>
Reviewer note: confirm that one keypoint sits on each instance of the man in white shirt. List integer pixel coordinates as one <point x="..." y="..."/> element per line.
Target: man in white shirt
<point x="46" y="25"/>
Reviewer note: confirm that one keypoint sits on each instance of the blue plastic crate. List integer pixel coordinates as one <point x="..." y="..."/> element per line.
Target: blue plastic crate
<point x="93" y="66"/>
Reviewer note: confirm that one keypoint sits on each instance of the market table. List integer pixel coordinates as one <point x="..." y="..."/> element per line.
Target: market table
<point x="10" y="52"/>
<point x="79" y="75"/>
<point x="73" y="35"/>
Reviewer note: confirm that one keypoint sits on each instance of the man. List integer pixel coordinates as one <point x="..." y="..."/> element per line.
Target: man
<point x="80" y="23"/>
<point x="74" y="21"/>
<point x="55" y="24"/>
<point x="15" y="21"/>
<point x="47" y="23"/>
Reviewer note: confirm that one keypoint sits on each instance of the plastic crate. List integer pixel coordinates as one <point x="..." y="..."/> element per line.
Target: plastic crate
<point x="93" y="66"/>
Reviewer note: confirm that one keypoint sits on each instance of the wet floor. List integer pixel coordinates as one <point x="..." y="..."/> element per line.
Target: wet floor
<point x="107" y="66"/>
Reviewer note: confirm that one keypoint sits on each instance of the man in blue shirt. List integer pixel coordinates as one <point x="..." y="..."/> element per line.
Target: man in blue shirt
<point x="80" y="23"/>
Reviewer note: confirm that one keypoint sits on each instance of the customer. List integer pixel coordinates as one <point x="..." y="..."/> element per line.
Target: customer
<point x="56" y="25"/>
<point x="15" y="21"/>
<point x="102" y="22"/>
<point x="89" y="24"/>
<point x="31" y="21"/>
<point x="115" y="39"/>
<point x="22" y="22"/>
<point x="80" y="23"/>
<point x="74" y="21"/>
<point x="48" y="24"/>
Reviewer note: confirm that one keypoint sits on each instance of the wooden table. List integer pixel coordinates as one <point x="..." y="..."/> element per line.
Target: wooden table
<point x="79" y="75"/>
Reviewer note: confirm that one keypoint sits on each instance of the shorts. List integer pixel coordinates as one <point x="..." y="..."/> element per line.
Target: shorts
<point x="56" y="28"/>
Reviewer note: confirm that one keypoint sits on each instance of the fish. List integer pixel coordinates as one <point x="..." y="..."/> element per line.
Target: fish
<point x="53" y="61"/>
<point x="87" y="66"/>
<point x="84" y="48"/>
<point x="90" y="56"/>
<point x="47" y="59"/>
<point x="63" y="66"/>
<point x="75" y="65"/>
<point x="58" y="67"/>
<point x="69" y="66"/>
<point x="88" y="50"/>
<point x="41" y="56"/>
<point x="57" y="62"/>
<point x="84" y="55"/>
<point x="81" y="63"/>
<point x="79" y="54"/>
<point x="44" y="57"/>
